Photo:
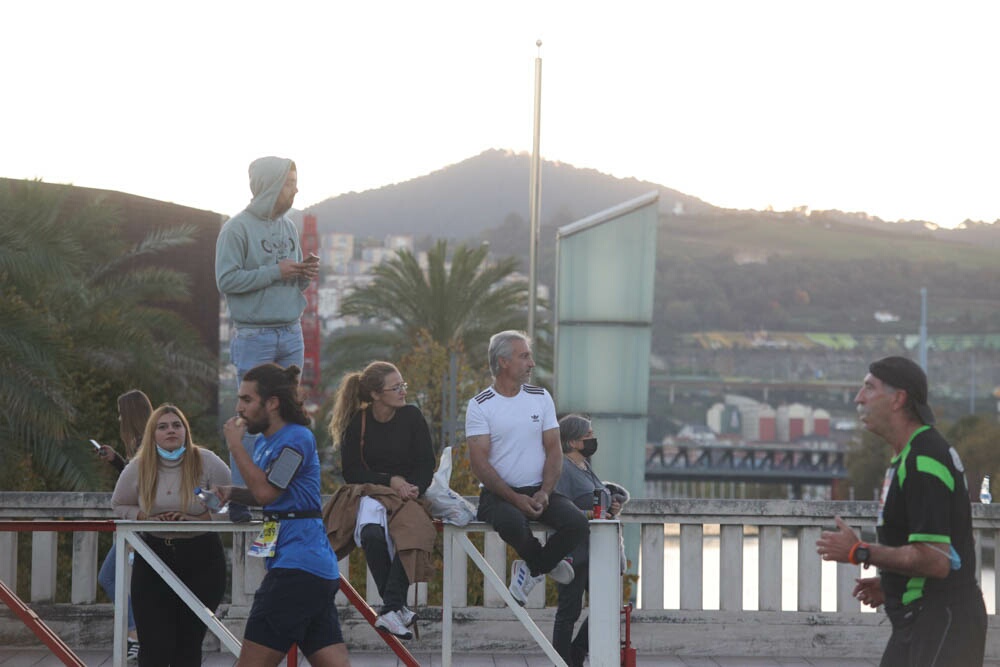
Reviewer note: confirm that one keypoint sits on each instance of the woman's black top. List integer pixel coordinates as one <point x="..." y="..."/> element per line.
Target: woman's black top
<point x="401" y="446"/>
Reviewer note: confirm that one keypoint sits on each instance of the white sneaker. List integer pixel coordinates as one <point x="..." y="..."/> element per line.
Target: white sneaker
<point x="407" y="616"/>
<point x="391" y="623"/>
<point x="521" y="581"/>
<point x="563" y="573"/>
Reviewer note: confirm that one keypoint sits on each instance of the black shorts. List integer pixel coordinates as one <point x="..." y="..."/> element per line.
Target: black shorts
<point x="294" y="607"/>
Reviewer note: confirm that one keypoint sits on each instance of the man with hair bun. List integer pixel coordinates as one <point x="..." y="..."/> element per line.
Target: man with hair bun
<point x="925" y="556"/>
<point x="295" y="602"/>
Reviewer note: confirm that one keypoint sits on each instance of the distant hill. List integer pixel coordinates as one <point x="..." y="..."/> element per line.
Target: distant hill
<point x="717" y="269"/>
<point x="464" y="200"/>
<point x="472" y="198"/>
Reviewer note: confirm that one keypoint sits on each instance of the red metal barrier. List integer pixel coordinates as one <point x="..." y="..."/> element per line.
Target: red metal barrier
<point x="392" y="640"/>
<point x="628" y="653"/>
<point x="42" y="631"/>
<point x="30" y="619"/>
<point x="57" y="526"/>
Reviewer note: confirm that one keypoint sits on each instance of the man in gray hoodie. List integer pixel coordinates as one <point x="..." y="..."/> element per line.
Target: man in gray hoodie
<point x="260" y="269"/>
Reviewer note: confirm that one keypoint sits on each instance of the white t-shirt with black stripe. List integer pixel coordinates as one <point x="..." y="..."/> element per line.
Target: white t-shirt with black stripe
<point x="515" y="427"/>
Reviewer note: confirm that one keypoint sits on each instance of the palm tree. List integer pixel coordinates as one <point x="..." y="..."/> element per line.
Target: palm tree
<point x="79" y="328"/>
<point x="458" y="304"/>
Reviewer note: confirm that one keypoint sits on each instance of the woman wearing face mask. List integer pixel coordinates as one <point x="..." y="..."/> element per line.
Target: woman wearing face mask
<point x="158" y="485"/>
<point x="388" y="462"/>
<point x="579" y="483"/>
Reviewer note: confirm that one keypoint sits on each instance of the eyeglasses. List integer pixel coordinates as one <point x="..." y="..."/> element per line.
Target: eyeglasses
<point x="399" y="388"/>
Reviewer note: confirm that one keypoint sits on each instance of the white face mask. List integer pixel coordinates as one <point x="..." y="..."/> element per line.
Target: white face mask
<point x="168" y="455"/>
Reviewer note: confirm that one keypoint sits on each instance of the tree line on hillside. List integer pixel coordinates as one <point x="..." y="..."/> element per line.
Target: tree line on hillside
<point x="789" y="292"/>
<point x="799" y="294"/>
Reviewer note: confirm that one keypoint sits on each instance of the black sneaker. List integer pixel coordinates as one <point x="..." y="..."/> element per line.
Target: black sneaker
<point x="133" y="650"/>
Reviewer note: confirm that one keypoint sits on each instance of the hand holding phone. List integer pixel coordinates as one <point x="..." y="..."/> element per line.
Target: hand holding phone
<point x="96" y="444"/>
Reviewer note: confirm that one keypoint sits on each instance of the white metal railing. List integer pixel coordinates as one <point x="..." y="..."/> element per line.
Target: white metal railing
<point x="129" y="534"/>
<point x="605" y="593"/>
<point x="651" y="523"/>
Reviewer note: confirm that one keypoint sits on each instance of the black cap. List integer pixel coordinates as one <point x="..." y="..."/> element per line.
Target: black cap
<point x="902" y="373"/>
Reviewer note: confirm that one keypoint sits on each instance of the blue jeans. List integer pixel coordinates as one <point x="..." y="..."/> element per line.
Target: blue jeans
<point x="106" y="578"/>
<point x="250" y="347"/>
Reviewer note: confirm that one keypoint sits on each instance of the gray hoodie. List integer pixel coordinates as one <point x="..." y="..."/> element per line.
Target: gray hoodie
<point x="249" y="248"/>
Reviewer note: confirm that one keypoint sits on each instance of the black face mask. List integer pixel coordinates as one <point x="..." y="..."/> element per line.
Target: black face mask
<point x="589" y="447"/>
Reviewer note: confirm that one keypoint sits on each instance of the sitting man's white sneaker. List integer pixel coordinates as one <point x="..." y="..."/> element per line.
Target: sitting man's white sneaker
<point x="521" y="581"/>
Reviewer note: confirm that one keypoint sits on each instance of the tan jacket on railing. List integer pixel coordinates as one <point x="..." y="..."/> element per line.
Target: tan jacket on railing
<point x="410" y="526"/>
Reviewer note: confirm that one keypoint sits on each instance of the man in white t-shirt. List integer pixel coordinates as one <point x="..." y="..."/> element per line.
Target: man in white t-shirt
<point x="515" y="451"/>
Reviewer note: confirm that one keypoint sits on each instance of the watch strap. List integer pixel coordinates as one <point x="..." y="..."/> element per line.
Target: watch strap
<point x="852" y="556"/>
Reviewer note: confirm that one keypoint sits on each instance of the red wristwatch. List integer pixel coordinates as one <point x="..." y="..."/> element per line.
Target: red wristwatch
<point x="859" y="554"/>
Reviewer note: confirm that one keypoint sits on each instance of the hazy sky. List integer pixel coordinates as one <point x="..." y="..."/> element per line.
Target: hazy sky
<point x="887" y="107"/>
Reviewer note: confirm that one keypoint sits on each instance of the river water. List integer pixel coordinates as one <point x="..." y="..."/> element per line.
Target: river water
<point x="789" y="576"/>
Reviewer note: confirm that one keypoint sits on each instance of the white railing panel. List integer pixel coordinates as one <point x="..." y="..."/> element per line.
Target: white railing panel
<point x="605" y="594"/>
<point x="996" y="568"/>
<point x="458" y="566"/>
<point x="83" y="589"/>
<point x="43" y="566"/>
<point x="769" y="548"/>
<point x="651" y="565"/>
<point x="846" y="576"/>
<point x="692" y="566"/>
<point x="8" y="559"/>
<point x="810" y="570"/>
<point x="495" y="552"/>
<point x="731" y="567"/>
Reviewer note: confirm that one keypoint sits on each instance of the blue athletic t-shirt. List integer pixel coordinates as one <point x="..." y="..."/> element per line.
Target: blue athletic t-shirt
<point x="302" y="543"/>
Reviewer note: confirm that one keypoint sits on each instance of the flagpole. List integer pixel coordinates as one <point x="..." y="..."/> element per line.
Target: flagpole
<point x="535" y="196"/>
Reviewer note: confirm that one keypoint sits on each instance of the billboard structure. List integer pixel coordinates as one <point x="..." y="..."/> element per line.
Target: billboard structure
<point x="605" y="268"/>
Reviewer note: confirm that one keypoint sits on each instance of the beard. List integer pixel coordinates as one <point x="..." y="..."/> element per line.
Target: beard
<point x="257" y="426"/>
<point x="283" y="205"/>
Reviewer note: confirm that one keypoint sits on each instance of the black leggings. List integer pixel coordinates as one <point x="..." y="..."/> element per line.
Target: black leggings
<point x="389" y="576"/>
<point x="170" y="633"/>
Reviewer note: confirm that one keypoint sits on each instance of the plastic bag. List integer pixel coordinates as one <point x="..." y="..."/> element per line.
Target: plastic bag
<point x="444" y="503"/>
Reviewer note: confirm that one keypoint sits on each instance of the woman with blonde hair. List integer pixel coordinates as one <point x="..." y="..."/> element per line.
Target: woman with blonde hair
<point x="388" y="462"/>
<point x="158" y="485"/>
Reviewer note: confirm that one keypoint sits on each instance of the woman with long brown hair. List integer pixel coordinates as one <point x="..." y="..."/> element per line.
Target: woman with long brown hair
<point x="385" y="443"/>
<point x="134" y="409"/>
<point x="158" y="485"/>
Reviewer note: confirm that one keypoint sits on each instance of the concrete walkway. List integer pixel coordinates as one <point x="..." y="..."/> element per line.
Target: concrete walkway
<point x="36" y="657"/>
<point x="32" y="657"/>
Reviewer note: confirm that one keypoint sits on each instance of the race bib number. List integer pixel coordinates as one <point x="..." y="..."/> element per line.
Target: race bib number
<point x="264" y="544"/>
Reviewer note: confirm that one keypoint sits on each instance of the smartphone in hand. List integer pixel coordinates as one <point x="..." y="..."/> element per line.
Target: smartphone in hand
<point x="96" y="444"/>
